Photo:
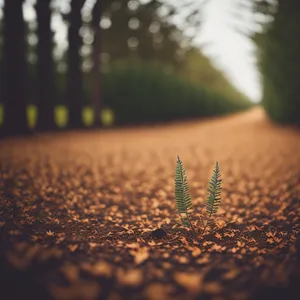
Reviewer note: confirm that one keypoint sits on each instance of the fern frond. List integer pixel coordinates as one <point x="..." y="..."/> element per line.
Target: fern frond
<point x="213" y="194"/>
<point x="182" y="194"/>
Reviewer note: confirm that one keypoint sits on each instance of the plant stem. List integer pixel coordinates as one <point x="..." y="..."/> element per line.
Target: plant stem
<point x="204" y="227"/>
<point x="206" y="224"/>
<point x="192" y="227"/>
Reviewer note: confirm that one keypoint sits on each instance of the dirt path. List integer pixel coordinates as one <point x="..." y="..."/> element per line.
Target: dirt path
<point x="77" y="211"/>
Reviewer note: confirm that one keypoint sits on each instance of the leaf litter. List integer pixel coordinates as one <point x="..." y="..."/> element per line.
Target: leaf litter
<point x="92" y="215"/>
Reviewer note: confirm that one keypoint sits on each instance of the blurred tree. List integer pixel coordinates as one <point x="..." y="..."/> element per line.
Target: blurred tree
<point x="129" y="29"/>
<point x="1" y="61"/>
<point x="199" y="69"/>
<point x="97" y="13"/>
<point x="15" y="69"/>
<point x="74" y="63"/>
<point x="266" y="7"/>
<point x="279" y="47"/>
<point x="132" y="29"/>
<point x="45" y="67"/>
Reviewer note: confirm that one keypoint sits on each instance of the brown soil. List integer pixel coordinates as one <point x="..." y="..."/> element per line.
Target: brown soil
<point x="78" y="211"/>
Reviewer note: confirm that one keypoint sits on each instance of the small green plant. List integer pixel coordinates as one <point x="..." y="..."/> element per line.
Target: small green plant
<point x="184" y="200"/>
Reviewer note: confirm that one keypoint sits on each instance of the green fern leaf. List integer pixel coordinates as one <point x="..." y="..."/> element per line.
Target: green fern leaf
<point x="182" y="194"/>
<point x="213" y="193"/>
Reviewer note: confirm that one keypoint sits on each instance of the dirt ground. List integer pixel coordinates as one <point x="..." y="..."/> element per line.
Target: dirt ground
<point x="79" y="210"/>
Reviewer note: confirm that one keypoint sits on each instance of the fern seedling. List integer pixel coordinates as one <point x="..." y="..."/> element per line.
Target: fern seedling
<point x="183" y="198"/>
<point x="213" y="195"/>
<point x="184" y="201"/>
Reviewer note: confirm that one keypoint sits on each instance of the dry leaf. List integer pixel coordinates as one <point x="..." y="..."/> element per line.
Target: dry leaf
<point x="218" y="236"/>
<point x="141" y="255"/>
<point x="158" y="291"/>
<point x="196" y="251"/>
<point x="231" y="274"/>
<point x="190" y="281"/>
<point x="73" y="248"/>
<point x="102" y="268"/>
<point x="93" y="245"/>
<point x="133" y="277"/>
<point x="182" y="259"/>
<point x="240" y="244"/>
<point x="204" y="259"/>
<point x="213" y="287"/>
<point x="184" y="241"/>
<point x="71" y="272"/>
<point x="132" y="245"/>
<point x="220" y="223"/>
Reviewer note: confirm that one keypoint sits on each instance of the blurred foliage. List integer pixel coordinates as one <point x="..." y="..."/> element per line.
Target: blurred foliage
<point x="106" y="116"/>
<point x="149" y="70"/>
<point x="147" y="94"/>
<point x="140" y="33"/>
<point x="198" y="69"/>
<point x="61" y="116"/>
<point x="32" y="114"/>
<point x="88" y="116"/>
<point x="279" y="60"/>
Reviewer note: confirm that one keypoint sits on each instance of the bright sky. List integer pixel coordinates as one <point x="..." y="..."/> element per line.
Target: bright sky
<point x="219" y="37"/>
<point x="230" y="50"/>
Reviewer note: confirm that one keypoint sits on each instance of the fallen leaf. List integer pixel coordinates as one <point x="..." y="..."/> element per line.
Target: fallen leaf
<point x="213" y="288"/>
<point x="71" y="272"/>
<point x="231" y="274"/>
<point x="132" y="245"/>
<point x="102" y="268"/>
<point x="240" y="244"/>
<point x="92" y="245"/>
<point x="196" y="251"/>
<point x="73" y="248"/>
<point x="218" y="236"/>
<point x="141" y="255"/>
<point x="50" y="233"/>
<point x="132" y="277"/>
<point x="158" y="291"/>
<point x="182" y="259"/>
<point x="190" y="281"/>
<point x="220" y="223"/>
<point x="184" y="241"/>
<point x="203" y="260"/>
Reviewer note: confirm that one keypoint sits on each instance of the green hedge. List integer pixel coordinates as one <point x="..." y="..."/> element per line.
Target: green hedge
<point x="145" y="94"/>
<point x="279" y="59"/>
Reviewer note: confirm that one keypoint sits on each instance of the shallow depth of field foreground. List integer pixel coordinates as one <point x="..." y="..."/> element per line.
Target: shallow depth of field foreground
<point x="78" y="211"/>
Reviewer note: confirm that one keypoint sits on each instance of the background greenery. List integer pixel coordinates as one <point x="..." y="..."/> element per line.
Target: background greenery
<point x="126" y="62"/>
<point x="142" y="94"/>
<point x="279" y="59"/>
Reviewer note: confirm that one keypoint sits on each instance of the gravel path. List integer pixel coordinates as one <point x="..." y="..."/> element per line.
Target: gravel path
<point x="79" y="210"/>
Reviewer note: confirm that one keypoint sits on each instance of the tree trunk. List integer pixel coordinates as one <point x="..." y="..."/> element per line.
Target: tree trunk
<point x="45" y="67"/>
<point x="15" y="70"/>
<point x="280" y="63"/>
<point x="96" y="77"/>
<point x="74" y="75"/>
<point x="96" y="74"/>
